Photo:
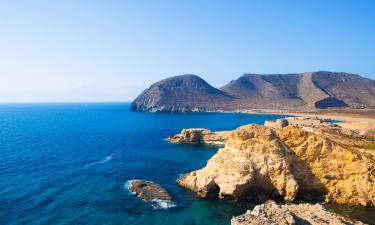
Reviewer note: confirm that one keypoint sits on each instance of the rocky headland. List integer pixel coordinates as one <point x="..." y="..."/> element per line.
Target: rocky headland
<point x="291" y="214"/>
<point x="257" y="163"/>
<point x="200" y="136"/>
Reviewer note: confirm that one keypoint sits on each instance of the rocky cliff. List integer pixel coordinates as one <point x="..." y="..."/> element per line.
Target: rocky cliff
<point x="258" y="162"/>
<point x="291" y="214"/>
<point x="300" y="91"/>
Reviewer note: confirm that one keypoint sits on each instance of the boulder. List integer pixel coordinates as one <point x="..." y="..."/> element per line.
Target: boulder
<point x="291" y="214"/>
<point x="149" y="191"/>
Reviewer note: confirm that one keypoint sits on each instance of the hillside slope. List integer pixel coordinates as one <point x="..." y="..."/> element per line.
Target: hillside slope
<point x="181" y="94"/>
<point x="299" y="91"/>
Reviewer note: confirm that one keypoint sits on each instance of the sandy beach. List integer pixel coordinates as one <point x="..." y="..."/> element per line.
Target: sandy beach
<point x="346" y="117"/>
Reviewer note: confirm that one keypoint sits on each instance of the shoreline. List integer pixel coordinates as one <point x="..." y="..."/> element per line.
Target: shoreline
<point x="346" y="117"/>
<point x="258" y="140"/>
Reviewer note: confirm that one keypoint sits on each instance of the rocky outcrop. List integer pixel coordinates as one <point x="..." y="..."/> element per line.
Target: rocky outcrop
<point x="199" y="136"/>
<point x="298" y="91"/>
<point x="291" y="214"/>
<point x="287" y="163"/>
<point x="149" y="191"/>
<point x="362" y="128"/>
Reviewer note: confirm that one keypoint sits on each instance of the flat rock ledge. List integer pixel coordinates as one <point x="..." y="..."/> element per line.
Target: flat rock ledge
<point x="151" y="192"/>
<point x="290" y="214"/>
<point x="200" y="136"/>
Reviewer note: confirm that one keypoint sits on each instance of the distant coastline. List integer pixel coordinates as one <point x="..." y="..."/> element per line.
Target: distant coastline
<point x="296" y="92"/>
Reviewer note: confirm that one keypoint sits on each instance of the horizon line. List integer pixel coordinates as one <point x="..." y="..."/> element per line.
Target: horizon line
<point x="63" y="102"/>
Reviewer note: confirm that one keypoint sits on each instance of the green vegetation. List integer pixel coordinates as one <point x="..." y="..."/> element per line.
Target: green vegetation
<point x="370" y="147"/>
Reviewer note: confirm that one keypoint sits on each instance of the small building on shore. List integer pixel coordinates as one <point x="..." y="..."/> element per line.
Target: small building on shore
<point x="279" y="123"/>
<point x="298" y="122"/>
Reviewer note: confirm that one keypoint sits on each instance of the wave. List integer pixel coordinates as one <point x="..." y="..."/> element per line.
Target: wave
<point x="106" y="159"/>
<point x="162" y="204"/>
<point x="128" y="185"/>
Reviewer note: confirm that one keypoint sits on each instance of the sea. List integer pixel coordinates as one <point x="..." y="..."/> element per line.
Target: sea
<point x="71" y="163"/>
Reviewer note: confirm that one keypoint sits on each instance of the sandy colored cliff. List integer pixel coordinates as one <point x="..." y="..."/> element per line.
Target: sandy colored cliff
<point x="258" y="162"/>
<point x="291" y="214"/>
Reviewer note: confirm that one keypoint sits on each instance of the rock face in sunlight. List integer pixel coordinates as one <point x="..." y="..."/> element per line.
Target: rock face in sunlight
<point x="259" y="162"/>
<point x="297" y="214"/>
<point x="199" y="136"/>
<point x="299" y="91"/>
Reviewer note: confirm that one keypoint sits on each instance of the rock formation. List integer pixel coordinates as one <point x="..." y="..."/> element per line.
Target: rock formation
<point x="285" y="163"/>
<point x="150" y="192"/>
<point x="200" y="136"/>
<point x="362" y="128"/>
<point x="290" y="214"/>
<point x="300" y="91"/>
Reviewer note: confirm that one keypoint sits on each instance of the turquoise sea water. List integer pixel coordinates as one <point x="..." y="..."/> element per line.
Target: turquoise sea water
<point x="69" y="163"/>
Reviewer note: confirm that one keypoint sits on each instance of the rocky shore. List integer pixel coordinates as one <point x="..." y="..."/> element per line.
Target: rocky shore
<point x="200" y="136"/>
<point x="258" y="162"/>
<point x="297" y="214"/>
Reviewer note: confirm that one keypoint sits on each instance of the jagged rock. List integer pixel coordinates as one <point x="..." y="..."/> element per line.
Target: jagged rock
<point x="149" y="191"/>
<point x="290" y="214"/>
<point x="199" y="136"/>
<point x="286" y="163"/>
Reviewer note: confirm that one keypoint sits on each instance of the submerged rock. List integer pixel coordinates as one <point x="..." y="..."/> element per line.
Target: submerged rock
<point x="285" y="164"/>
<point x="151" y="192"/>
<point x="290" y="214"/>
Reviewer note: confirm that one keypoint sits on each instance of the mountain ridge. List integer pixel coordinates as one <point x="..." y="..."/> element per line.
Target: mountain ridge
<point x="292" y="91"/>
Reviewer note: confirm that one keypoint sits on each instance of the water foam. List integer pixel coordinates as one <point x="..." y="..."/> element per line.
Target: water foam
<point x="162" y="204"/>
<point x="106" y="159"/>
<point x="128" y="185"/>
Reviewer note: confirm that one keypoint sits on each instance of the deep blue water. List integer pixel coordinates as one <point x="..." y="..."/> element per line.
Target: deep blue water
<point x="53" y="167"/>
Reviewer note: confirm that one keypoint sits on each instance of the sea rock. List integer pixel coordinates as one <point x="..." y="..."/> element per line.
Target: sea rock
<point x="199" y="136"/>
<point x="285" y="164"/>
<point x="149" y="191"/>
<point x="290" y="214"/>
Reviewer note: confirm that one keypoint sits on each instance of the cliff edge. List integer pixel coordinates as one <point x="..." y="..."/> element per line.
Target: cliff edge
<point x="288" y="163"/>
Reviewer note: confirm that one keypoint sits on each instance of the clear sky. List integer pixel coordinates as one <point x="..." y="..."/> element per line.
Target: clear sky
<point x="72" y="50"/>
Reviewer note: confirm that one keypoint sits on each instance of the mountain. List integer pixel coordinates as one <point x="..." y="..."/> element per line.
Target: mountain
<point x="298" y="91"/>
<point x="182" y="94"/>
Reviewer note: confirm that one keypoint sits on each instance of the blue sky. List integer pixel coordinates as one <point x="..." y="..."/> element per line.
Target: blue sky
<point x="90" y="50"/>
